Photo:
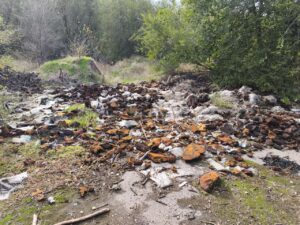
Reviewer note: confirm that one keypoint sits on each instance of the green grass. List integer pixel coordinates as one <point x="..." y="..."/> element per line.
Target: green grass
<point x="22" y="213"/>
<point x="78" y="68"/>
<point x="132" y="70"/>
<point x="85" y="117"/>
<point x="17" y="64"/>
<point x="266" y="198"/>
<point x="75" y="107"/>
<point x="221" y="102"/>
<point x="66" y="152"/>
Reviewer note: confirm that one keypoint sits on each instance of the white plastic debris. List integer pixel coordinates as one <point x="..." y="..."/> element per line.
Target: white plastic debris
<point x="22" y="139"/>
<point x="9" y="184"/>
<point x="128" y="123"/>
<point x="161" y="179"/>
<point x="216" y="166"/>
<point x="51" y="200"/>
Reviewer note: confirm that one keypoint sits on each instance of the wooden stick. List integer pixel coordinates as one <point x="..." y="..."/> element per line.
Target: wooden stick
<point x="144" y="132"/>
<point x="145" y="155"/>
<point x="80" y="219"/>
<point x="35" y="219"/>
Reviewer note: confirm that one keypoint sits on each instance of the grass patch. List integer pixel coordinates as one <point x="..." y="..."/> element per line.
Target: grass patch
<point x="264" y="199"/>
<point x="75" y="107"/>
<point x="83" y="118"/>
<point x="22" y="213"/>
<point x="131" y="70"/>
<point x="17" y="64"/>
<point x="77" y="68"/>
<point x="12" y="157"/>
<point x="66" y="152"/>
<point x="221" y="102"/>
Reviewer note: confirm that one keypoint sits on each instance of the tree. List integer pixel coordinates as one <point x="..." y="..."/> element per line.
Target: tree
<point x="9" y="38"/>
<point x="248" y="42"/>
<point x="119" y="20"/>
<point x="168" y="36"/>
<point x="42" y="29"/>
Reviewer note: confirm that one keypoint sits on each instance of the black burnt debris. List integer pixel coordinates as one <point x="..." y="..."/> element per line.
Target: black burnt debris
<point x="16" y="81"/>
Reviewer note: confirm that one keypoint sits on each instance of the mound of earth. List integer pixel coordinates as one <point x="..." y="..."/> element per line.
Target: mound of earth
<point x="83" y="69"/>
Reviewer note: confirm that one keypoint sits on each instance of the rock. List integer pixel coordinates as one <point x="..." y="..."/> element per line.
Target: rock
<point x="244" y="92"/>
<point x="128" y="123"/>
<point x="203" y="97"/>
<point x="277" y="109"/>
<point x="210" y="118"/>
<point x="270" y="100"/>
<point x="209" y="180"/>
<point x="192" y="101"/>
<point x="228" y="128"/>
<point x="192" y="152"/>
<point x="210" y="110"/>
<point x="254" y="99"/>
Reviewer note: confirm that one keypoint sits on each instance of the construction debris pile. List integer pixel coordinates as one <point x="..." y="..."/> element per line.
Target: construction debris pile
<point x="23" y="82"/>
<point x="159" y="127"/>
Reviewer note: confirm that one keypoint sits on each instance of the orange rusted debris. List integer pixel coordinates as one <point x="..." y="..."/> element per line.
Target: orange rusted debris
<point x="225" y="139"/>
<point x="38" y="195"/>
<point x="271" y="135"/>
<point x="162" y="157"/>
<point x="192" y="152"/>
<point x="209" y="180"/>
<point x="246" y="132"/>
<point x="155" y="142"/>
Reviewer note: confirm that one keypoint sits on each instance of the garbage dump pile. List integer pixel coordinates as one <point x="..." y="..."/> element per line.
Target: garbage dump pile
<point x="22" y="82"/>
<point x="147" y="124"/>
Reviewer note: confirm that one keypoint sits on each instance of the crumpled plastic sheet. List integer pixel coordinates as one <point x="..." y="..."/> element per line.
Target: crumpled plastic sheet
<point x="10" y="184"/>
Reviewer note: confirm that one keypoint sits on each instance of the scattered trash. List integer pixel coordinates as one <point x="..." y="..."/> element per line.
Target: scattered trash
<point x="51" y="200"/>
<point x="9" y="184"/>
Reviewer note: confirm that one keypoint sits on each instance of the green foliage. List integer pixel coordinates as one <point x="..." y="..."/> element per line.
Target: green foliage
<point x="118" y="22"/>
<point x="9" y="38"/>
<point x="253" y="43"/>
<point x="167" y="36"/>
